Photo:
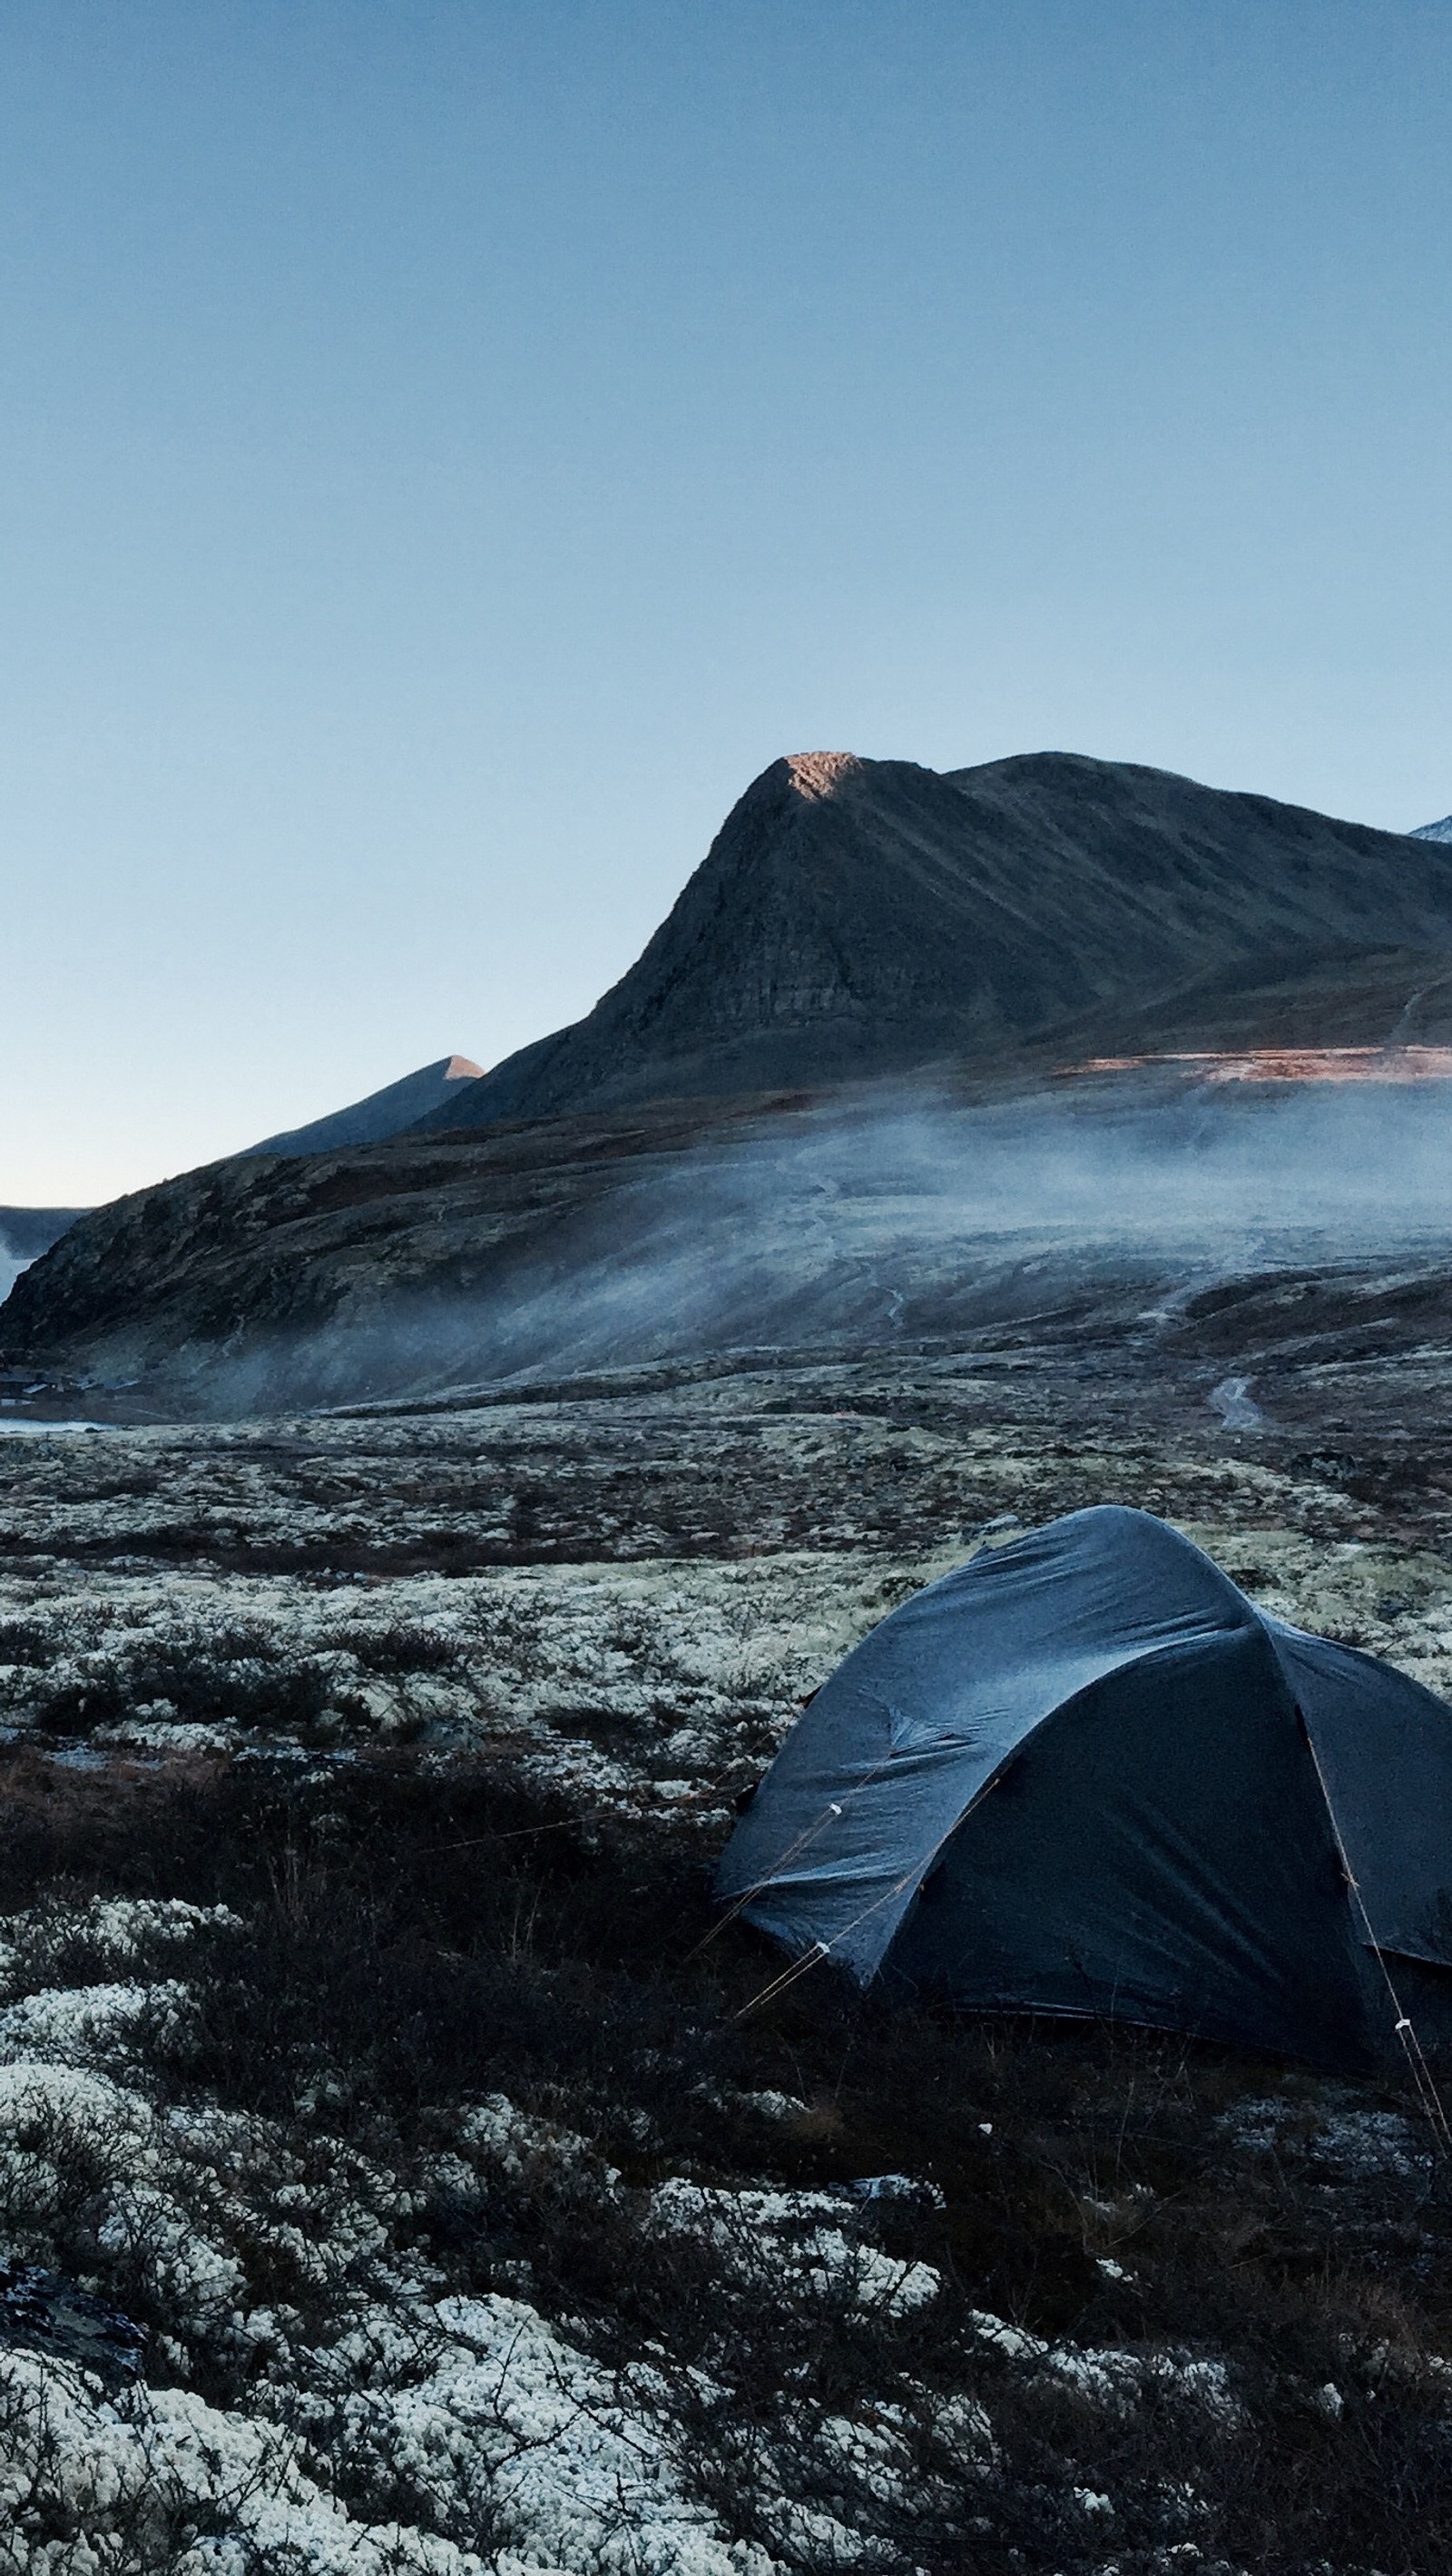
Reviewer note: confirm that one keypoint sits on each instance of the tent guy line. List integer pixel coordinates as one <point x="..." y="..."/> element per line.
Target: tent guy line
<point x="1404" y="2028"/>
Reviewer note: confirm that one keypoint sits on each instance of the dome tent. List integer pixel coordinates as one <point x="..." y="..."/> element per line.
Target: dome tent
<point x="1085" y="1775"/>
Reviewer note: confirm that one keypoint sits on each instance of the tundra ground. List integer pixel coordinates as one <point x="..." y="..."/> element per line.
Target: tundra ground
<point x="397" y="2172"/>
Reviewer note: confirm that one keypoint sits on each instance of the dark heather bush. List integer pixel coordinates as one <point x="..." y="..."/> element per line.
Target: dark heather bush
<point x="25" y="1641"/>
<point x="224" y="1680"/>
<point x="400" y="1647"/>
<point x="414" y="1939"/>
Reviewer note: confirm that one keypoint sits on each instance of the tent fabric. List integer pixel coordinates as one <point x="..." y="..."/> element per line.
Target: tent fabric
<point x="1083" y="1774"/>
<point x="1384" y="1745"/>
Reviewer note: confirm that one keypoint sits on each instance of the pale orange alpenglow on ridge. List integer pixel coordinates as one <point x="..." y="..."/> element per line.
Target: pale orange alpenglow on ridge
<point x="1290" y="1064"/>
<point x="820" y="773"/>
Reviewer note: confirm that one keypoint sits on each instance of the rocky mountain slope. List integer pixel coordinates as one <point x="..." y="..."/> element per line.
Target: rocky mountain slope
<point x="886" y="1217"/>
<point x="666" y="1179"/>
<point x="858" y="916"/>
<point x="229" y="1285"/>
<point x="399" y="1105"/>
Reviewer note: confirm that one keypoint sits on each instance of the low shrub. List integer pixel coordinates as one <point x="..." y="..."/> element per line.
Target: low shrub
<point x="1225" y="2333"/>
<point x="400" y="1647"/>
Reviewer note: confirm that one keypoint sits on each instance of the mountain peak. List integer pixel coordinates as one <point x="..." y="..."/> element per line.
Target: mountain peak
<point x="820" y="773"/>
<point x="859" y="917"/>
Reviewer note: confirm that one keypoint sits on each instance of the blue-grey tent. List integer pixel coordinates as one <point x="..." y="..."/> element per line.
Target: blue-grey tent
<point x="1085" y="1775"/>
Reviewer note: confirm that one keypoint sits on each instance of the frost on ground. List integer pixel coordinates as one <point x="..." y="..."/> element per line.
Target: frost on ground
<point x="367" y="2042"/>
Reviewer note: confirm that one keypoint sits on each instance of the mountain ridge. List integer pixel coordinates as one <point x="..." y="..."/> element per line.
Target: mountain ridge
<point x="856" y="917"/>
<point x="857" y="926"/>
<point x="381" y="1114"/>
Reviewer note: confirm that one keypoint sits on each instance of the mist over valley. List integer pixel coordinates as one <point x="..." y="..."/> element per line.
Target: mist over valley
<point x="913" y="1054"/>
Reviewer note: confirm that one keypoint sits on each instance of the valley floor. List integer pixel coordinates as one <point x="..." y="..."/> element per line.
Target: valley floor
<point x="397" y="2171"/>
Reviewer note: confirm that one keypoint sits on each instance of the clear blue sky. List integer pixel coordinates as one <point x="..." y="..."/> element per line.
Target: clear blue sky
<point x="447" y="449"/>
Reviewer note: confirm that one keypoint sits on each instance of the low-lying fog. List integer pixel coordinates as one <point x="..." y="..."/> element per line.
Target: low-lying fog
<point x="923" y="1215"/>
<point x="911" y="1216"/>
<point x="920" y="1217"/>
<point x="12" y="1262"/>
<point x="24" y="1235"/>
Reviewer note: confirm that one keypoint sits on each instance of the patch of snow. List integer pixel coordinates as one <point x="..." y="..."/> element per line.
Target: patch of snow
<point x="514" y="2426"/>
<point x="517" y="2145"/>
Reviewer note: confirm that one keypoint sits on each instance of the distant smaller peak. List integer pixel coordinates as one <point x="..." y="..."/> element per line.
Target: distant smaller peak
<point x="1433" y="831"/>
<point x="461" y="1068"/>
<point x="820" y="773"/>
